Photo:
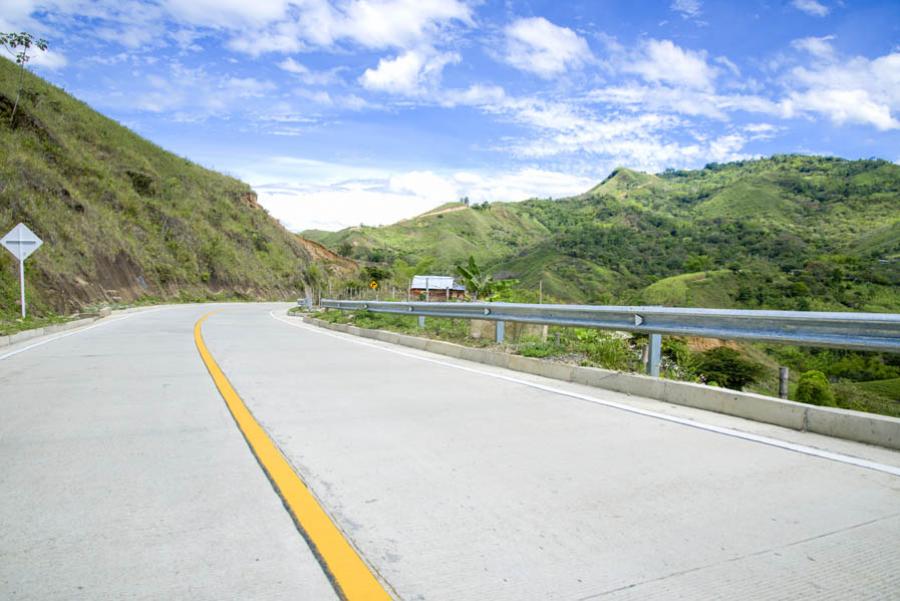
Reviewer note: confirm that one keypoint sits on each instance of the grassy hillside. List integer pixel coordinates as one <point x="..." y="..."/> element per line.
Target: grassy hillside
<point x="447" y="234"/>
<point x="788" y="232"/>
<point x="123" y="219"/>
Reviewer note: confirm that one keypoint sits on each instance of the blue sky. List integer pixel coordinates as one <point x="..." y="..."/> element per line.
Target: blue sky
<point x="368" y="111"/>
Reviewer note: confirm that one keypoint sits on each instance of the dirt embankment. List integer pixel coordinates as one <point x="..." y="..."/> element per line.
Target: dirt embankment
<point x="319" y="253"/>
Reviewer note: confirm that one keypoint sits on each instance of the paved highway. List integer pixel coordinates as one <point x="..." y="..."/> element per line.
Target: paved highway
<point x="123" y="475"/>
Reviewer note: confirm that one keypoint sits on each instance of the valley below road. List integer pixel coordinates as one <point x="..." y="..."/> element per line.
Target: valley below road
<point x="124" y="476"/>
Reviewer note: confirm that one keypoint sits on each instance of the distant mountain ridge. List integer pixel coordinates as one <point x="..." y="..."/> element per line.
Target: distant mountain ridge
<point x="123" y="219"/>
<point x="789" y="231"/>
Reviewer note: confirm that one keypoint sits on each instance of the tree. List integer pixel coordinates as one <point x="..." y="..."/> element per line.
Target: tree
<point x="726" y="367"/>
<point x="18" y="45"/>
<point x="815" y="389"/>
<point x="696" y="263"/>
<point x="345" y="249"/>
<point x="313" y="279"/>
<point x="477" y="282"/>
<point x="404" y="272"/>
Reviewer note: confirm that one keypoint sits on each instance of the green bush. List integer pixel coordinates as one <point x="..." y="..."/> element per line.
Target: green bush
<point x="726" y="367"/>
<point x="815" y="389"/>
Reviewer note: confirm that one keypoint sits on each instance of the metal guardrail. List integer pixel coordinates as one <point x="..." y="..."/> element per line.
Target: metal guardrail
<point x="857" y="331"/>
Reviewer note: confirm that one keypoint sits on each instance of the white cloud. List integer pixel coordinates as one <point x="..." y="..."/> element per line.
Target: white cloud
<point x="373" y="24"/>
<point x="811" y="7"/>
<point x="48" y="59"/>
<point x="819" y="47"/>
<point x="227" y="13"/>
<point x="307" y="75"/>
<point x="306" y="194"/>
<point x="848" y="90"/>
<point x="844" y="106"/>
<point x="694" y="103"/>
<point x="185" y="94"/>
<point x="538" y="46"/>
<point x="285" y="37"/>
<point x="412" y="73"/>
<point x="399" y="23"/>
<point x="688" y="9"/>
<point x="425" y="185"/>
<point x="15" y="15"/>
<point x="661" y="61"/>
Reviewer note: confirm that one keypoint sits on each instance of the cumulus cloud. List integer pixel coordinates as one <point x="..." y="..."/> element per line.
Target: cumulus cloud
<point x="411" y="73"/>
<point x="811" y="7"/>
<point x="372" y="24"/>
<point x="846" y="90"/>
<point x="662" y="61"/>
<point x="538" y="46"/>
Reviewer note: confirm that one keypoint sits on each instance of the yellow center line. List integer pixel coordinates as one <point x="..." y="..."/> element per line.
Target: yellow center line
<point x="349" y="573"/>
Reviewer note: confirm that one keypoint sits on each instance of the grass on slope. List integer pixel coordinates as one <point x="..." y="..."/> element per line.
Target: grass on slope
<point x="887" y="388"/>
<point x="745" y="200"/>
<point x="711" y="289"/>
<point x="448" y="236"/>
<point x="121" y="218"/>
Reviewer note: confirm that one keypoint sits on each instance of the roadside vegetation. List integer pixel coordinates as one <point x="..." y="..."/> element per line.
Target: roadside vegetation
<point x="748" y="367"/>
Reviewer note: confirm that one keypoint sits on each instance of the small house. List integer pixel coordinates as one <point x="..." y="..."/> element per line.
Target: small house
<point x="436" y="288"/>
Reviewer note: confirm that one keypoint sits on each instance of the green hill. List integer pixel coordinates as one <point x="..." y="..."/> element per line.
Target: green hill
<point x="123" y="219"/>
<point x="786" y="232"/>
<point x="447" y="234"/>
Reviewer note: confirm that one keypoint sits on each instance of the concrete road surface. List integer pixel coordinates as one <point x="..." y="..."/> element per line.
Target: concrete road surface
<point x="123" y="476"/>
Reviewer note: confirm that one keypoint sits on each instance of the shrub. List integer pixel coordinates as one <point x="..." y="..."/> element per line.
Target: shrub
<point x="726" y="367"/>
<point x="815" y="389"/>
<point x="604" y="349"/>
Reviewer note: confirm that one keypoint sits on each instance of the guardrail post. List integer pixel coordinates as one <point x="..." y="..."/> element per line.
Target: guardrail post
<point x="654" y="355"/>
<point x="421" y="321"/>
<point x="783" y="379"/>
<point x="501" y="331"/>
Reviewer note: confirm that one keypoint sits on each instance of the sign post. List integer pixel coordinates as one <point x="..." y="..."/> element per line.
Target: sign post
<point x="21" y="242"/>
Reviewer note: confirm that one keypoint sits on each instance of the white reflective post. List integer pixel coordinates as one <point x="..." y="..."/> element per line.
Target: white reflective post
<point x="22" y="285"/>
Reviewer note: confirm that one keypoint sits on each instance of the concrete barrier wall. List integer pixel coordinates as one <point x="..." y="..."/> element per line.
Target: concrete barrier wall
<point x="37" y="332"/>
<point x="840" y="423"/>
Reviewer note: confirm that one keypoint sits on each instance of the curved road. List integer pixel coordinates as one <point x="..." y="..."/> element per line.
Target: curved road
<point x="124" y="476"/>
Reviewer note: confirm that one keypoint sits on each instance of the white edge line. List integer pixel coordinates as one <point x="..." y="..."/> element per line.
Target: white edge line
<point x="97" y="324"/>
<point x="773" y="442"/>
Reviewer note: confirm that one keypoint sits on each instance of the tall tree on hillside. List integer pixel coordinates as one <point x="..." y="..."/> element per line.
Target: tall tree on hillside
<point x="19" y="45"/>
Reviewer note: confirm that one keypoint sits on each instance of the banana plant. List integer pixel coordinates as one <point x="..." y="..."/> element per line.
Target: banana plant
<point x="478" y="283"/>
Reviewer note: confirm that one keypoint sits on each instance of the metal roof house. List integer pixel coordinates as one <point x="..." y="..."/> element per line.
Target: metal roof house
<point x="436" y="288"/>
